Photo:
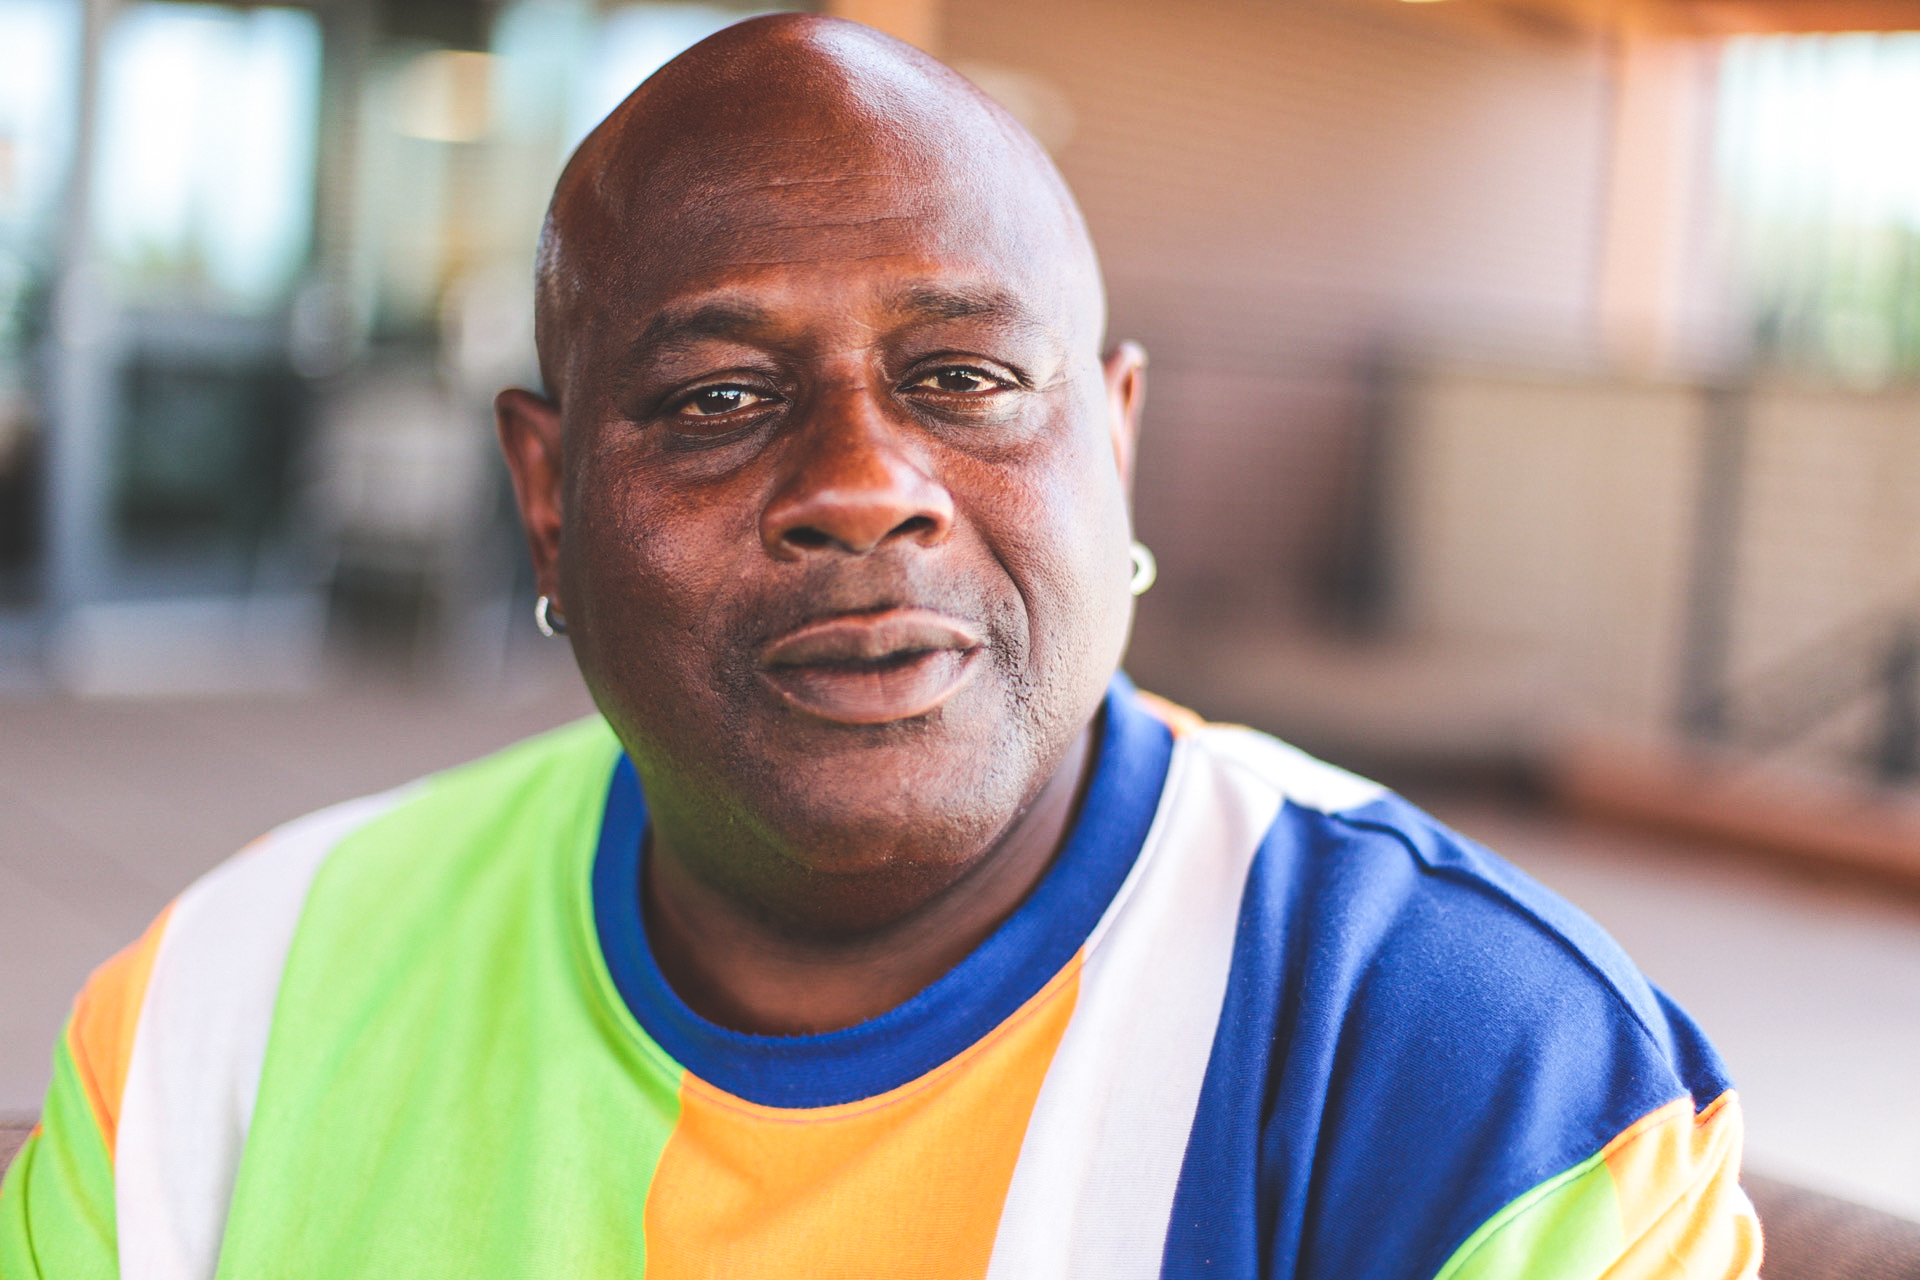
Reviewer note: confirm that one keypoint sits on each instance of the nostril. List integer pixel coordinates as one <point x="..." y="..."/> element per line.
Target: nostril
<point x="857" y="532"/>
<point x="808" y="539"/>
<point x="915" y="526"/>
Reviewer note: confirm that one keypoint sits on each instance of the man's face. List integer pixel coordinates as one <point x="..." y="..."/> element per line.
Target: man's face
<point x="843" y="550"/>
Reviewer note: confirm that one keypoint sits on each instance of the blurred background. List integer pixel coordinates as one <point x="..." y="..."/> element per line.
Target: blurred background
<point x="1534" y="420"/>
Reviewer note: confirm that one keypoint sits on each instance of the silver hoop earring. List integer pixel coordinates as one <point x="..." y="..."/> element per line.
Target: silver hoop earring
<point x="1145" y="569"/>
<point x="550" y="622"/>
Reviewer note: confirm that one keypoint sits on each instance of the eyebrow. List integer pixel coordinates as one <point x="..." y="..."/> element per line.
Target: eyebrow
<point x="677" y="327"/>
<point x="683" y="326"/>
<point x="944" y="302"/>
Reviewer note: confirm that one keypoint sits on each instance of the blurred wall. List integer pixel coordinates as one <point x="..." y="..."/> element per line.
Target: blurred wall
<point x="1318" y="215"/>
<point x="1281" y="191"/>
<point x="1546" y="524"/>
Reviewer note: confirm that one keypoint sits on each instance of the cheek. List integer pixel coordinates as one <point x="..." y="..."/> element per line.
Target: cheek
<point x="648" y="568"/>
<point x="1062" y="530"/>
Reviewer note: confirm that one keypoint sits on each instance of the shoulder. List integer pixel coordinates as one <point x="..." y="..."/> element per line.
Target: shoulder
<point x="251" y="902"/>
<point x="245" y="911"/>
<point x="170" y="1038"/>
<point x="1411" y="918"/>
<point x="220" y="945"/>
<point x="435" y="816"/>
<point x="1418" y="1032"/>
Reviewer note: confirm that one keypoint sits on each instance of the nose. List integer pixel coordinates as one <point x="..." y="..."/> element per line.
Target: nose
<point x="850" y="485"/>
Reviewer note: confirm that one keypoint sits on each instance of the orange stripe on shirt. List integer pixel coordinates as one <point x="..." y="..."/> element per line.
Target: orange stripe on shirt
<point x="1171" y="714"/>
<point x="1677" y="1179"/>
<point x="907" y="1185"/>
<point x="100" y="1034"/>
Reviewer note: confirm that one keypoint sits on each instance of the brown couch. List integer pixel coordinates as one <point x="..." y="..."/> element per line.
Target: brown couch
<point x="1818" y="1237"/>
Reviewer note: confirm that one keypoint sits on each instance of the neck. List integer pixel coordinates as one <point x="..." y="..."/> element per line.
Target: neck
<point x="738" y="965"/>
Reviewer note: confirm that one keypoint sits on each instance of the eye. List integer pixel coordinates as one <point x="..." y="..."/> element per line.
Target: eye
<point x="711" y="402"/>
<point x="956" y="379"/>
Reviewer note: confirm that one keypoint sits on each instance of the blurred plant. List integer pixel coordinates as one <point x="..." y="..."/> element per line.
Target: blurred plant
<point x="1820" y="164"/>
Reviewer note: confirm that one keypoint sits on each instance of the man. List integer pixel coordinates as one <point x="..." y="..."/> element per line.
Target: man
<point x="879" y="928"/>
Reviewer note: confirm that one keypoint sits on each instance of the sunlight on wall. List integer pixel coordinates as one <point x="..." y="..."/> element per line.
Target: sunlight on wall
<point x="461" y="149"/>
<point x="635" y="42"/>
<point x="38" y="50"/>
<point x="205" y="164"/>
<point x="1820" y="162"/>
<point x="38" y="41"/>
<point x="1825" y="126"/>
<point x="589" y="66"/>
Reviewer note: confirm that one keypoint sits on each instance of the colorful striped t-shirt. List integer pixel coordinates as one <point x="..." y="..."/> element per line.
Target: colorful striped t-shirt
<point x="1259" y="1019"/>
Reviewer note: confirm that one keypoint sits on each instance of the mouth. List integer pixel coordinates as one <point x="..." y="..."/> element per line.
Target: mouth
<point x="872" y="668"/>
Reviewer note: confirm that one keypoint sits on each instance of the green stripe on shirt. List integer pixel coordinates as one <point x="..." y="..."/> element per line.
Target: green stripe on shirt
<point x="449" y="1089"/>
<point x="56" y="1205"/>
<point x="1567" y="1228"/>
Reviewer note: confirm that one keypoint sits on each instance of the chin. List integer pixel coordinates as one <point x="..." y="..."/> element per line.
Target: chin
<point x="857" y="796"/>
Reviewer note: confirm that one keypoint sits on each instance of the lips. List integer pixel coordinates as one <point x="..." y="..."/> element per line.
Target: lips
<point x="872" y="668"/>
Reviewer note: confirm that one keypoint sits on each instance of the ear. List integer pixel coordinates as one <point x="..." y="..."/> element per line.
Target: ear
<point x="529" y="427"/>
<point x="1126" y="377"/>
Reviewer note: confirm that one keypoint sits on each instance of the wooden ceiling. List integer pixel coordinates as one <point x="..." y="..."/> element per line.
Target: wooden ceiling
<point x="1749" y="17"/>
<point x="1680" y="18"/>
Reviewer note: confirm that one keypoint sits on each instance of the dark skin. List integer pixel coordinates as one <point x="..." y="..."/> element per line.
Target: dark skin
<point x="831" y="488"/>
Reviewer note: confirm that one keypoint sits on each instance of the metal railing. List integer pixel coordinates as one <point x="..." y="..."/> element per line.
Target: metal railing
<point x="1873" y="658"/>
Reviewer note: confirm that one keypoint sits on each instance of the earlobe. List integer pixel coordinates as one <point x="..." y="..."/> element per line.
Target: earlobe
<point x="529" y="429"/>
<point x="1126" y="376"/>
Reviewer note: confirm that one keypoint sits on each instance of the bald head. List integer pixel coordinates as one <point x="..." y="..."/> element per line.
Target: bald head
<point x="829" y="480"/>
<point x="802" y="128"/>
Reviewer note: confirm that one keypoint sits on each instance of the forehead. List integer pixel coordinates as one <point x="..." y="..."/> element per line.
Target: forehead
<point x="843" y="189"/>
<point x="847" y="217"/>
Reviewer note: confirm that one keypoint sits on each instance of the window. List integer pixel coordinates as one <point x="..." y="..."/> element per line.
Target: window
<point x="1819" y="158"/>
<point x="204" y="180"/>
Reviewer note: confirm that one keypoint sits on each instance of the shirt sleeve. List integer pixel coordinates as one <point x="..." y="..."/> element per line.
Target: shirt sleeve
<point x="57" y="1202"/>
<point x="1662" y="1200"/>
